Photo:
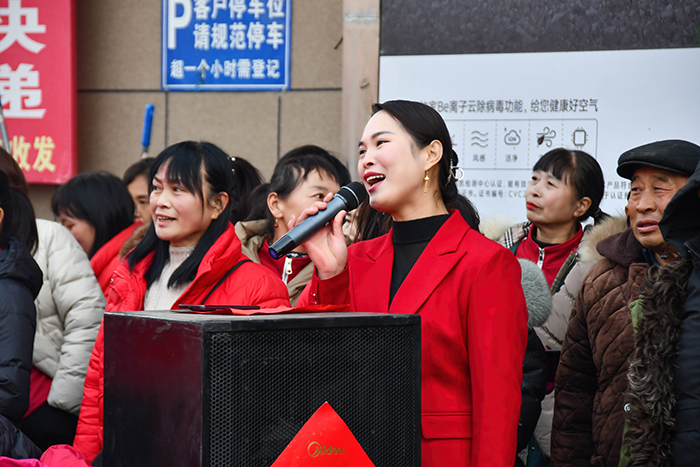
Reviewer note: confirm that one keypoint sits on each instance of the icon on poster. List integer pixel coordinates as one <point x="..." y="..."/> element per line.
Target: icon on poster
<point x="579" y="137"/>
<point x="480" y="139"/>
<point x="546" y="137"/>
<point x="512" y="138"/>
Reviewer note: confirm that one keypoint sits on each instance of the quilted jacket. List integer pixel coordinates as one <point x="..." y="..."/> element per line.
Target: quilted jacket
<point x="69" y="310"/>
<point x="591" y="379"/>
<point x="250" y="235"/>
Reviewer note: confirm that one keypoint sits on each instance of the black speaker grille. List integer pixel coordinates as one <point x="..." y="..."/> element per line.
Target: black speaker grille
<point x="265" y="385"/>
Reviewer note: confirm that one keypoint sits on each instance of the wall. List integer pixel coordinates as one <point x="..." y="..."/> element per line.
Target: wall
<point x="119" y="73"/>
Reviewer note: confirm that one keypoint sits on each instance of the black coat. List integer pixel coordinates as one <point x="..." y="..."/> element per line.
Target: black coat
<point x="20" y="281"/>
<point x="686" y="445"/>
<point x="533" y="389"/>
<point x="681" y="228"/>
<point x="14" y="443"/>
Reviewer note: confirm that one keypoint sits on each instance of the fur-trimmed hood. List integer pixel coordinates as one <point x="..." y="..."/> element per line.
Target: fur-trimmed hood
<point x="134" y="240"/>
<point x="495" y="227"/>
<point x="594" y="234"/>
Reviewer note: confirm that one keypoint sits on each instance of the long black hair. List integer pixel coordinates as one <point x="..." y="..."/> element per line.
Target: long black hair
<point x="425" y="125"/>
<point x="582" y="172"/>
<point x="100" y="199"/>
<point x="190" y="164"/>
<point x="19" y="220"/>
<point x="13" y="172"/>
<point x="291" y="171"/>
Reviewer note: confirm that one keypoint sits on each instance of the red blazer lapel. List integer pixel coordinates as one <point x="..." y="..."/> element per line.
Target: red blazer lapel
<point x="443" y="252"/>
<point x="372" y="282"/>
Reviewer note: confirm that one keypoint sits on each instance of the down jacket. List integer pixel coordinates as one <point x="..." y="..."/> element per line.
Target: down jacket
<point x="250" y="234"/>
<point x="107" y="258"/>
<point x="69" y="309"/>
<point x="591" y="379"/>
<point x="14" y="443"/>
<point x="250" y="284"/>
<point x="20" y="280"/>
<point x="553" y="331"/>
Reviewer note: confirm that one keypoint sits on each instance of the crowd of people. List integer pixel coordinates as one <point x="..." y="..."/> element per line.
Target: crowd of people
<point x="606" y="377"/>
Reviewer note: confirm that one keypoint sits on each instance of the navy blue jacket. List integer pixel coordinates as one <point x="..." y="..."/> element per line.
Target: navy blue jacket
<point x="20" y="281"/>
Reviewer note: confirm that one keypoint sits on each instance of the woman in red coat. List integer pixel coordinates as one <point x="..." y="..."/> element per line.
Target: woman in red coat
<point x="190" y="254"/>
<point x="466" y="288"/>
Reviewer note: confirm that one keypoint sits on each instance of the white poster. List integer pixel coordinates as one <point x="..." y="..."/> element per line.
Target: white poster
<point x="504" y="111"/>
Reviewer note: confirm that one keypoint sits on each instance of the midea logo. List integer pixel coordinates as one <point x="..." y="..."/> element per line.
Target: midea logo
<point x="315" y="449"/>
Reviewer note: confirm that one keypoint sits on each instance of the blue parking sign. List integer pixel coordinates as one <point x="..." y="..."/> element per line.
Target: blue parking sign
<point x="226" y="45"/>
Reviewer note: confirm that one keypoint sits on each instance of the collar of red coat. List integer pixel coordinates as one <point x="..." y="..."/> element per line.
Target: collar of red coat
<point x="109" y="250"/>
<point x="554" y="256"/>
<point x="221" y="257"/>
<point x="445" y="250"/>
<point x="443" y="243"/>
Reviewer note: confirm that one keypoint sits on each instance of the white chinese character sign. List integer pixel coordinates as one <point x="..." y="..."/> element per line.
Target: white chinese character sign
<point x="38" y="88"/>
<point x="226" y="45"/>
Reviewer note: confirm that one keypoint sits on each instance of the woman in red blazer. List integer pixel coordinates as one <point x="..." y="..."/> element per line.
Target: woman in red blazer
<point x="466" y="288"/>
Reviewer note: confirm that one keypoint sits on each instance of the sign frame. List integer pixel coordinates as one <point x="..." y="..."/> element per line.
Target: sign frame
<point x="195" y="87"/>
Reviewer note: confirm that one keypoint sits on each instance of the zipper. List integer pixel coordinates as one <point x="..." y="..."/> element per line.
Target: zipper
<point x="540" y="258"/>
<point x="287" y="269"/>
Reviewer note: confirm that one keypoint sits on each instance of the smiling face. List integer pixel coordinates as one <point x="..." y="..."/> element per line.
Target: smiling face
<point x="138" y="189"/>
<point x="180" y="216"/>
<point x="651" y="191"/>
<point x="82" y="230"/>
<point x="314" y="188"/>
<point x="551" y="201"/>
<point x="393" y="169"/>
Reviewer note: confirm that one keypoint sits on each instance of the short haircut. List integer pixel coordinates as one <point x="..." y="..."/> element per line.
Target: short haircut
<point x="101" y="200"/>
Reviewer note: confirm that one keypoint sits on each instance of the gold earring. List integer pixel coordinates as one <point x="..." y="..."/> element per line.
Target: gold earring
<point x="427" y="179"/>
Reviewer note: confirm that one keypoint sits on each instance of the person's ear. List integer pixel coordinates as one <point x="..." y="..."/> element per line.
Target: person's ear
<point x="218" y="204"/>
<point x="275" y="205"/>
<point x="433" y="154"/>
<point x="582" y="206"/>
<point x="2" y="217"/>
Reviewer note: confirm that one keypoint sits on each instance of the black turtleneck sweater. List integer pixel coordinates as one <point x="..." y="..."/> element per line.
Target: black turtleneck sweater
<point x="410" y="239"/>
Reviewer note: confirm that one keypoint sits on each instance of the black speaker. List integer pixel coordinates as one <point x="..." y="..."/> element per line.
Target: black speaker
<point x="222" y="391"/>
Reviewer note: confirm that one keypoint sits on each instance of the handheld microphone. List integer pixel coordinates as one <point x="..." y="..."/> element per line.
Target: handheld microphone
<point x="536" y="291"/>
<point x="348" y="198"/>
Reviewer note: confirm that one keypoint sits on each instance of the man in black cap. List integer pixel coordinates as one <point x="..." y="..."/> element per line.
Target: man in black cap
<point x="664" y="373"/>
<point x="657" y="171"/>
<point x="591" y="381"/>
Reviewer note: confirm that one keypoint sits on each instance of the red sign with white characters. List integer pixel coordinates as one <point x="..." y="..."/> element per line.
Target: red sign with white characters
<point x="38" y="86"/>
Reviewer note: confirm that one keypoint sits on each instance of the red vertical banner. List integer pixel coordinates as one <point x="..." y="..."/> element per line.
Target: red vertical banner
<point x="38" y="86"/>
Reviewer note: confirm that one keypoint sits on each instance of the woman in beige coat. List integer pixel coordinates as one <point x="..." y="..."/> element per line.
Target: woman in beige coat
<point x="69" y="310"/>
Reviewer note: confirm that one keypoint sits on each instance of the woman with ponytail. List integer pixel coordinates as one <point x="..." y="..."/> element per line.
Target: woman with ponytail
<point x="302" y="176"/>
<point x="433" y="262"/>
<point x="190" y="254"/>
<point x="566" y="188"/>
